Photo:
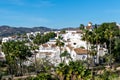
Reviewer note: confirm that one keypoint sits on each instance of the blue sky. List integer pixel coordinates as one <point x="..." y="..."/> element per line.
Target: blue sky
<point x="58" y="13"/>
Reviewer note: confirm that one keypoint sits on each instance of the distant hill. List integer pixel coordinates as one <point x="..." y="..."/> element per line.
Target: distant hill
<point x="9" y="31"/>
<point x="70" y="28"/>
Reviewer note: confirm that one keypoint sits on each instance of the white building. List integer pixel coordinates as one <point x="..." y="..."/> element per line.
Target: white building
<point x="79" y="54"/>
<point x="73" y="44"/>
<point x="6" y="39"/>
<point x="2" y="56"/>
<point x="89" y="26"/>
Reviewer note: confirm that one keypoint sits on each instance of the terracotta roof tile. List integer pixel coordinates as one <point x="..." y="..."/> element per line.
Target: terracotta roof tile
<point x="45" y="45"/>
<point x="46" y="53"/>
<point x="70" y="47"/>
<point x="80" y="51"/>
<point x="79" y="31"/>
<point x="53" y="45"/>
<point x="88" y="27"/>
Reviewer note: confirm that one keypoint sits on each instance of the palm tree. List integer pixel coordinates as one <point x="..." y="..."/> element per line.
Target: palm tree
<point x="21" y="53"/>
<point x="82" y="26"/>
<point x="65" y="55"/>
<point x="92" y="50"/>
<point x="116" y="54"/>
<point x="93" y="53"/>
<point x="16" y="52"/>
<point x="96" y="41"/>
<point x="34" y="48"/>
<point x="109" y="35"/>
<point x="59" y="43"/>
<point x="60" y="71"/>
<point x="72" y="71"/>
<point x="86" y="37"/>
<point x="93" y="39"/>
<point x="6" y="48"/>
<point x="108" y="75"/>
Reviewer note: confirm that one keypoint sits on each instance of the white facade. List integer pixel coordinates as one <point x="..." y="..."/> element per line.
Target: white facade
<point x="52" y="52"/>
<point x="76" y="56"/>
<point x="6" y="39"/>
<point x="118" y="25"/>
<point x="2" y="56"/>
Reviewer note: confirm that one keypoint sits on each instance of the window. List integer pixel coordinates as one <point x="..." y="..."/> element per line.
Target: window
<point x="83" y="57"/>
<point x="74" y="43"/>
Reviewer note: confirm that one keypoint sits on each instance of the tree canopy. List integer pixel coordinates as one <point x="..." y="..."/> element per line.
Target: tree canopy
<point x="15" y="53"/>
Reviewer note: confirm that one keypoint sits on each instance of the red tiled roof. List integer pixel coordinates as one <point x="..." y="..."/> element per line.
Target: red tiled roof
<point x="46" y="53"/>
<point x="79" y="31"/>
<point x="88" y="27"/>
<point x="80" y="51"/>
<point x="45" y="45"/>
<point x="69" y="46"/>
<point x="53" y="45"/>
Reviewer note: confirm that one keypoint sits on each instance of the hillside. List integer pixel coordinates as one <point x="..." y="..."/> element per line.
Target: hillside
<point x="8" y="31"/>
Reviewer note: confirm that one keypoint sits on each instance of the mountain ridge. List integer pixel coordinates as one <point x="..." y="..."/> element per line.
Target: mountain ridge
<point x="6" y="30"/>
